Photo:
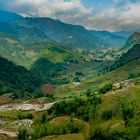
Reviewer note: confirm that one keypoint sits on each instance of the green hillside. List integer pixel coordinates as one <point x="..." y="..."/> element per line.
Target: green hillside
<point x="111" y="116"/>
<point x="12" y="49"/>
<point x="94" y="83"/>
<point x="45" y="69"/>
<point x="30" y="35"/>
<point x="132" y="40"/>
<point x="26" y="54"/>
<point x="130" y="55"/>
<point x="13" y="77"/>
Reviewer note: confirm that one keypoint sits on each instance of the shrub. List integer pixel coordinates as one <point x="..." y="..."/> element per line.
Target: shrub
<point x="78" y="106"/>
<point x="88" y="93"/>
<point x="42" y="130"/>
<point x="44" y="118"/>
<point x="107" y="114"/>
<point x="131" y="76"/>
<point x="23" y="134"/>
<point x="106" y="88"/>
<point x="127" y="111"/>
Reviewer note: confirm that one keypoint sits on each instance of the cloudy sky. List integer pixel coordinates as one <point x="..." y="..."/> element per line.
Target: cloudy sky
<point x="113" y="15"/>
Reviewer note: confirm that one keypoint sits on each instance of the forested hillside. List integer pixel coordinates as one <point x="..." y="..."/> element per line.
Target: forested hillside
<point x="13" y="77"/>
<point x="132" y="54"/>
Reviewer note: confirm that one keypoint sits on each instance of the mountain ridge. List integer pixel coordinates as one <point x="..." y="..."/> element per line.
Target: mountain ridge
<point x="74" y="36"/>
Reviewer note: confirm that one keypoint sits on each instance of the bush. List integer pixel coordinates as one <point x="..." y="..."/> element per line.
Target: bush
<point x="44" y="118"/>
<point x="88" y="93"/>
<point x="78" y="106"/>
<point x="98" y="134"/>
<point x="106" y="88"/>
<point x="23" y="134"/>
<point x="107" y="114"/>
<point x="47" y="129"/>
<point x="131" y="76"/>
<point x="127" y="111"/>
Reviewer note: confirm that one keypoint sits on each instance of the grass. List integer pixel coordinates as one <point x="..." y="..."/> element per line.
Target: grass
<point x="65" y="137"/>
<point x="12" y="115"/>
<point x="3" y="137"/>
<point x="112" y="102"/>
<point x="54" y="57"/>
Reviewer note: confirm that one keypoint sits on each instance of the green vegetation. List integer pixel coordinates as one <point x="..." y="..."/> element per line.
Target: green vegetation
<point x="23" y="134"/>
<point x="76" y="107"/>
<point x="132" y="54"/>
<point x="25" y="116"/>
<point x="52" y="129"/>
<point x="114" y="117"/>
<point x="13" y="77"/>
<point x="13" y="115"/>
<point x="106" y="88"/>
<point x="95" y="83"/>
<point x="64" y="137"/>
<point x="65" y="92"/>
<point x="45" y="69"/>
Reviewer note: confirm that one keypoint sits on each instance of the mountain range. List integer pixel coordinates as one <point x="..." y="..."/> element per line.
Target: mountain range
<point x="28" y="29"/>
<point x="63" y="81"/>
<point x="43" y="47"/>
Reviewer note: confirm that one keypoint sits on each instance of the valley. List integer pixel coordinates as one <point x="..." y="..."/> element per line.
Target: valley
<point x="60" y="81"/>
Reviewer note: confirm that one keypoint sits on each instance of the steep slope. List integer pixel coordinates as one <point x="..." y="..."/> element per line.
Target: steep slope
<point x="26" y="53"/>
<point x="130" y="55"/>
<point x="13" y="77"/>
<point x="55" y="52"/>
<point x="13" y="50"/>
<point x="46" y="69"/>
<point x="51" y="62"/>
<point x="24" y="34"/>
<point x="132" y="40"/>
<point x="8" y="17"/>
<point x="31" y="34"/>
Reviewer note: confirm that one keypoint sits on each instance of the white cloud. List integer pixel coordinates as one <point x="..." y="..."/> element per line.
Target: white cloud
<point x="74" y="11"/>
<point x="111" y="19"/>
<point x="50" y="8"/>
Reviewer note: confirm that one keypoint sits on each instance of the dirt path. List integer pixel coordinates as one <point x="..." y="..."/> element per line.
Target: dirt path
<point x="8" y="133"/>
<point x="25" y="107"/>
